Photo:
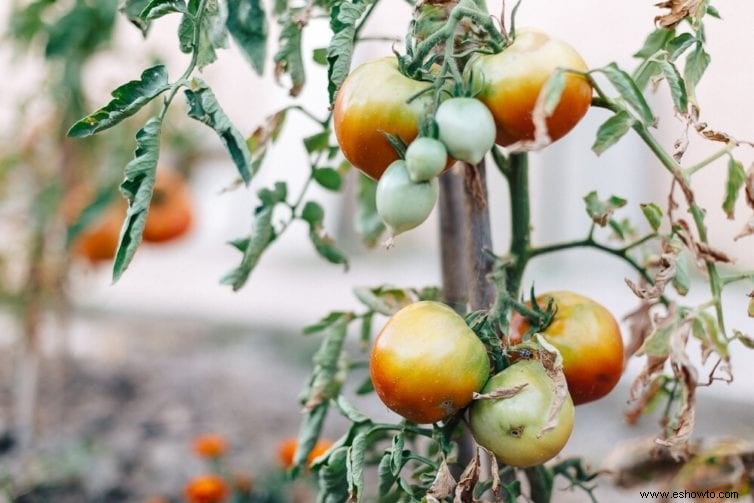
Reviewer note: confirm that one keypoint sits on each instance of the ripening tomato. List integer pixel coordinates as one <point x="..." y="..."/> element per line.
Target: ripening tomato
<point x="373" y="101"/>
<point x="511" y="80"/>
<point x="467" y="128"/>
<point x="171" y="212"/>
<point x="426" y="362"/>
<point x="99" y="242"/>
<point x="587" y="336"/>
<point x="512" y="427"/>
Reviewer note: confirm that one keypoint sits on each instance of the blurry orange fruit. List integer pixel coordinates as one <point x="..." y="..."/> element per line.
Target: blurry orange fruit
<point x="171" y="211"/>
<point x="210" y="445"/>
<point x="287" y="450"/>
<point x="206" y="489"/>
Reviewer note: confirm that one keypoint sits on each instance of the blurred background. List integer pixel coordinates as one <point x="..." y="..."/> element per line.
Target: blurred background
<point x="103" y="386"/>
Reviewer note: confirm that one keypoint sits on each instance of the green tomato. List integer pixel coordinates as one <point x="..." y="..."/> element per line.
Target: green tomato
<point x="467" y="128"/>
<point x="512" y="427"/>
<point x="425" y="159"/>
<point x="401" y="203"/>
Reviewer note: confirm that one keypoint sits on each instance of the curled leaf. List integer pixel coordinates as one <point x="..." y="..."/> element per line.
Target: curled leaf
<point x="465" y="488"/>
<point x="500" y="393"/>
<point x="679" y="10"/>
<point x="552" y="361"/>
<point x="443" y="486"/>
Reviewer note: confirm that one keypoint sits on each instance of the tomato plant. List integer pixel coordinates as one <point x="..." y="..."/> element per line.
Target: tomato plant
<point x="518" y="429"/>
<point x="589" y="339"/>
<point x="426" y="363"/>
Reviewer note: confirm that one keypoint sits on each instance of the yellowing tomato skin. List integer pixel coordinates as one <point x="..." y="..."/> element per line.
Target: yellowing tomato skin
<point x="589" y="339"/>
<point x="426" y="362"/>
<point x="373" y="101"/>
<point x="511" y="427"/>
<point x="512" y="79"/>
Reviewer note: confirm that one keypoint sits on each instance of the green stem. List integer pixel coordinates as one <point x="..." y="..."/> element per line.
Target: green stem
<point x="701" y="164"/>
<point x="518" y="186"/>
<point x="728" y="280"/>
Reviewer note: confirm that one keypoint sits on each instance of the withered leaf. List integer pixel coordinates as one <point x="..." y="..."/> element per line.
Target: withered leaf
<point x="747" y="230"/>
<point x="679" y="9"/>
<point x="443" y="485"/>
<point x="469" y="477"/>
<point x="552" y="361"/>
<point x="664" y="275"/>
<point x="500" y="393"/>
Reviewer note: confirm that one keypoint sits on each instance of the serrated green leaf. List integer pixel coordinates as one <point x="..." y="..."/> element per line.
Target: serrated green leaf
<point x="247" y="24"/>
<point x="212" y="31"/>
<point x="654" y="42"/>
<point x="289" y="59"/>
<point x="350" y="412"/>
<point x="137" y="188"/>
<point x="262" y="234"/>
<point x="313" y="213"/>
<point x="611" y="131"/>
<point x="601" y="211"/>
<point x="628" y="90"/>
<point x="318" y="142"/>
<point x="328" y="178"/>
<point x="385" y="474"/>
<point x="396" y="454"/>
<point x="733" y="185"/>
<point x="696" y="64"/>
<point x="127" y="100"/>
<point x="344" y="17"/>
<point x="157" y="8"/>
<point x="203" y="106"/>
<point x="355" y="464"/>
<point x="368" y="223"/>
<point x="679" y="44"/>
<point x="653" y="214"/>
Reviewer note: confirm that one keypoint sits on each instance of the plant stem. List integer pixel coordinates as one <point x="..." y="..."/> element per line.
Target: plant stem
<point x="701" y="164"/>
<point x="478" y="237"/>
<point x="455" y="288"/>
<point x="518" y="186"/>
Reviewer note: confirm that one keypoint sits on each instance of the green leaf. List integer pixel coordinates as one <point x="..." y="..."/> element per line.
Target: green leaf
<point x="326" y="381"/>
<point x="127" y="100"/>
<point x="712" y="11"/>
<point x="736" y="180"/>
<point x="158" y="8"/>
<point x="313" y="213"/>
<point x="328" y="178"/>
<point x="271" y="197"/>
<point x="601" y="211"/>
<point x="647" y="71"/>
<point x="658" y="342"/>
<point x="385" y="299"/>
<point x="137" y="188"/>
<point x="326" y="248"/>
<point x="102" y="201"/>
<point x="611" y="131"/>
<point x="259" y="141"/>
<point x="309" y="432"/>
<point x="696" y="64"/>
<point x="654" y="42"/>
<point x="262" y="234"/>
<point x="325" y="322"/>
<point x="247" y="24"/>
<point x="626" y="87"/>
<point x="212" y="31"/>
<point x="132" y="9"/>
<point x="553" y="90"/>
<point x="319" y="56"/>
<point x="682" y="278"/>
<point x="622" y="228"/>
<point x="333" y="479"/>
<point x="83" y="29"/>
<point x="355" y="464"/>
<point x="344" y="17"/>
<point x="677" y="86"/>
<point x="653" y="214"/>
<point x="679" y="44"/>
<point x="396" y="454"/>
<point x="350" y="412"/>
<point x="317" y="142"/>
<point x="289" y="59"/>
<point x="203" y="106"/>
<point x="366" y="387"/>
<point x="367" y="222"/>
<point x="366" y="330"/>
<point x="385" y="473"/>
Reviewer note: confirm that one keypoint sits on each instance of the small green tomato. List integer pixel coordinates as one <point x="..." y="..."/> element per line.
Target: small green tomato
<point x="467" y="128"/>
<point x="401" y="203"/>
<point x="425" y="159"/>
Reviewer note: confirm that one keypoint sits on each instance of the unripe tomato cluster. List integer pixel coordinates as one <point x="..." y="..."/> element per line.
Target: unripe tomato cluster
<point x="377" y="101"/>
<point x="426" y="364"/>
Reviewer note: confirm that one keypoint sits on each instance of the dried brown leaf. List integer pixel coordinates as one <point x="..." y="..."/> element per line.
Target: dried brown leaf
<point x="640" y="326"/>
<point x="679" y="9"/>
<point x="465" y="488"/>
<point x="716" y="136"/>
<point x="747" y="230"/>
<point x="750" y="186"/>
<point x="500" y="393"/>
<point x="552" y="361"/>
<point x="444" y="484"/>
<point x="664" y="275"/>
<point x="634" y="462"/>
<point x="644" y="388"/>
